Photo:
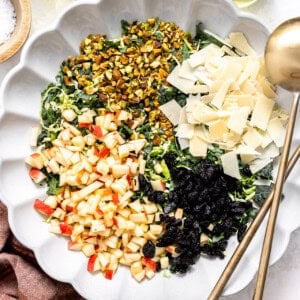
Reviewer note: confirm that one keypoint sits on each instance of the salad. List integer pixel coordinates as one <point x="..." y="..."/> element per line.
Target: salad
<point x="156" y="147"/>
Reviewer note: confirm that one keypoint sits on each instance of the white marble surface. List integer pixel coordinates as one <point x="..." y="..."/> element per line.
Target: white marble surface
<point x="283" y="277"/>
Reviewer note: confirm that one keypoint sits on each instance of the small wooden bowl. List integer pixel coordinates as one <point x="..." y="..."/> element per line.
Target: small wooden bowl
<point x="21" y="31"/>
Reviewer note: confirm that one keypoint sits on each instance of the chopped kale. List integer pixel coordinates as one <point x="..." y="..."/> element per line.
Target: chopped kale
<point x="261" y="193"/>
<point x="53" y="184"/>
<point x="266" y="172"/>
<point x="125" y="25"/>
<point x="203" y="38"/>
<point x="167" y="94"/>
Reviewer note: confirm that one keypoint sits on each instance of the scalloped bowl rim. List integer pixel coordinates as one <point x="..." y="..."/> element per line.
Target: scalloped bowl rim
<point x="12" y="72"/>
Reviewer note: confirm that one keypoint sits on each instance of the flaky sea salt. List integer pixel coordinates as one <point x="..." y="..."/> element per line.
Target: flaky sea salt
<point x="7" y="20"/>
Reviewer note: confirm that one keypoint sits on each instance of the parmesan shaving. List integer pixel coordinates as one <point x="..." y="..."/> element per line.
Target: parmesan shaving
<point x="234" y="105"/>
<point x="262" y="112"/>
<point x="185" y="131"/>
<point x="172" y="111"/>
<point x="198" y="147"/>
<point x="239" y="41"/>
<point x="276" y="131"/>
<point x="230" y="164"/>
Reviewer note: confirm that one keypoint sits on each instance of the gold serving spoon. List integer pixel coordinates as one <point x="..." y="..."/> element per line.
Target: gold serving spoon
<point x="282" y="57"/>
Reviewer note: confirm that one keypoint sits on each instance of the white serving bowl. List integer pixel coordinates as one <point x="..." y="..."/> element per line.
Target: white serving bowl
<point x="20" y="100"/>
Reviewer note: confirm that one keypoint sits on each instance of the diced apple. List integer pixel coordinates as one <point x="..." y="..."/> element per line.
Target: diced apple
<point x="133" y="247"/>
<point x="37" y="175"/>
<point x="86" y="190"/>
<point x="93" y="263"/>
<point x="103" y="259"/>
<point x="51" y="201"/>
<point x="43" y="208"/>
<point x="150" y="274"/>
<point x="138" y="144"/>
<point x="54" y="166"/>
<point x="112" y="242"/>
<point x="136" y="268"/>
<point x="164" y="262"/>
<point x="75" y="246"/>
<point x="65" y="229"/>
<point x="150" y="208"/>
<point x="138" y="218"/>
<point x="123" y="151"/>
<point x="110" y="140"/>
<point x="149" y="263"/>
<point x="86" y="117"/>
<point x="139" y="241"/>
<point x="140" y="276"/>
<point x="54" y="226"/>
<point x="179" y="213"/>
<point x="77" y="229"/>
<point x="118" y="253"/>
<point x="97" y="226"/>
<point x="156" y="229"/>
<point x="158" y="185"/>
<point x="132" y="257"/>
<point x="88" y="249"/>
<point x="35" y="160"/>
<point x="59" y="214"/>
<point x="139" y="231"/>
<point x="69" y="115"/>
<point x="119" y="170"/>
<point x="109" y="274"/>
<point x="136" y="206"/>
<point x="126" y="197"/>
<point x="203" y="239"/>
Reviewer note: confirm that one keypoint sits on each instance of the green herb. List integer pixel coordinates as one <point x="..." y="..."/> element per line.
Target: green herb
<point x="261" y="193"/>
<point x="266" y="172"/>
<point x="167" y="94"/>
<point x="53" y="184"/>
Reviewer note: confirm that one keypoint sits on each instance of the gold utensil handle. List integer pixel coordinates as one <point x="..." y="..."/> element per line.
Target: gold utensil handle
<point x="267" y="245"/>
<point x="242" y="247"/>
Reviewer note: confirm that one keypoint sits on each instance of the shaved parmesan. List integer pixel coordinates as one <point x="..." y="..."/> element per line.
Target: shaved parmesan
<point x="221" y="93"/>
<point x="239" y="41"/>
<point x="183" y="143"/>
<point x="186" y="71"/>
<point x="182" y="116"/>
<point x="262" y="112"/>
<point x="247" y="158"/>
<point x="267" y="140"/>
<point x="198" y="147"/>
<point x="252" y="138"/>
<point x="251" y="70"/>
<point x="217" y="130"/>
<point x="202" y="133"/>
<point x="180" y="83"/>
<point x="238" y="119"/>
<point x="271" y="151"/>
<point x="230" y="164"/>
<point x="234" y="107"/>
<point x="172" y="111"/>
<point x="185" y="131"/>
<point x="246" y="150"/>
<point x="276" y="131"/>
<point x="259" y="164"/>
<point x="199" y="57"/>
<point x="266" y="87"/>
